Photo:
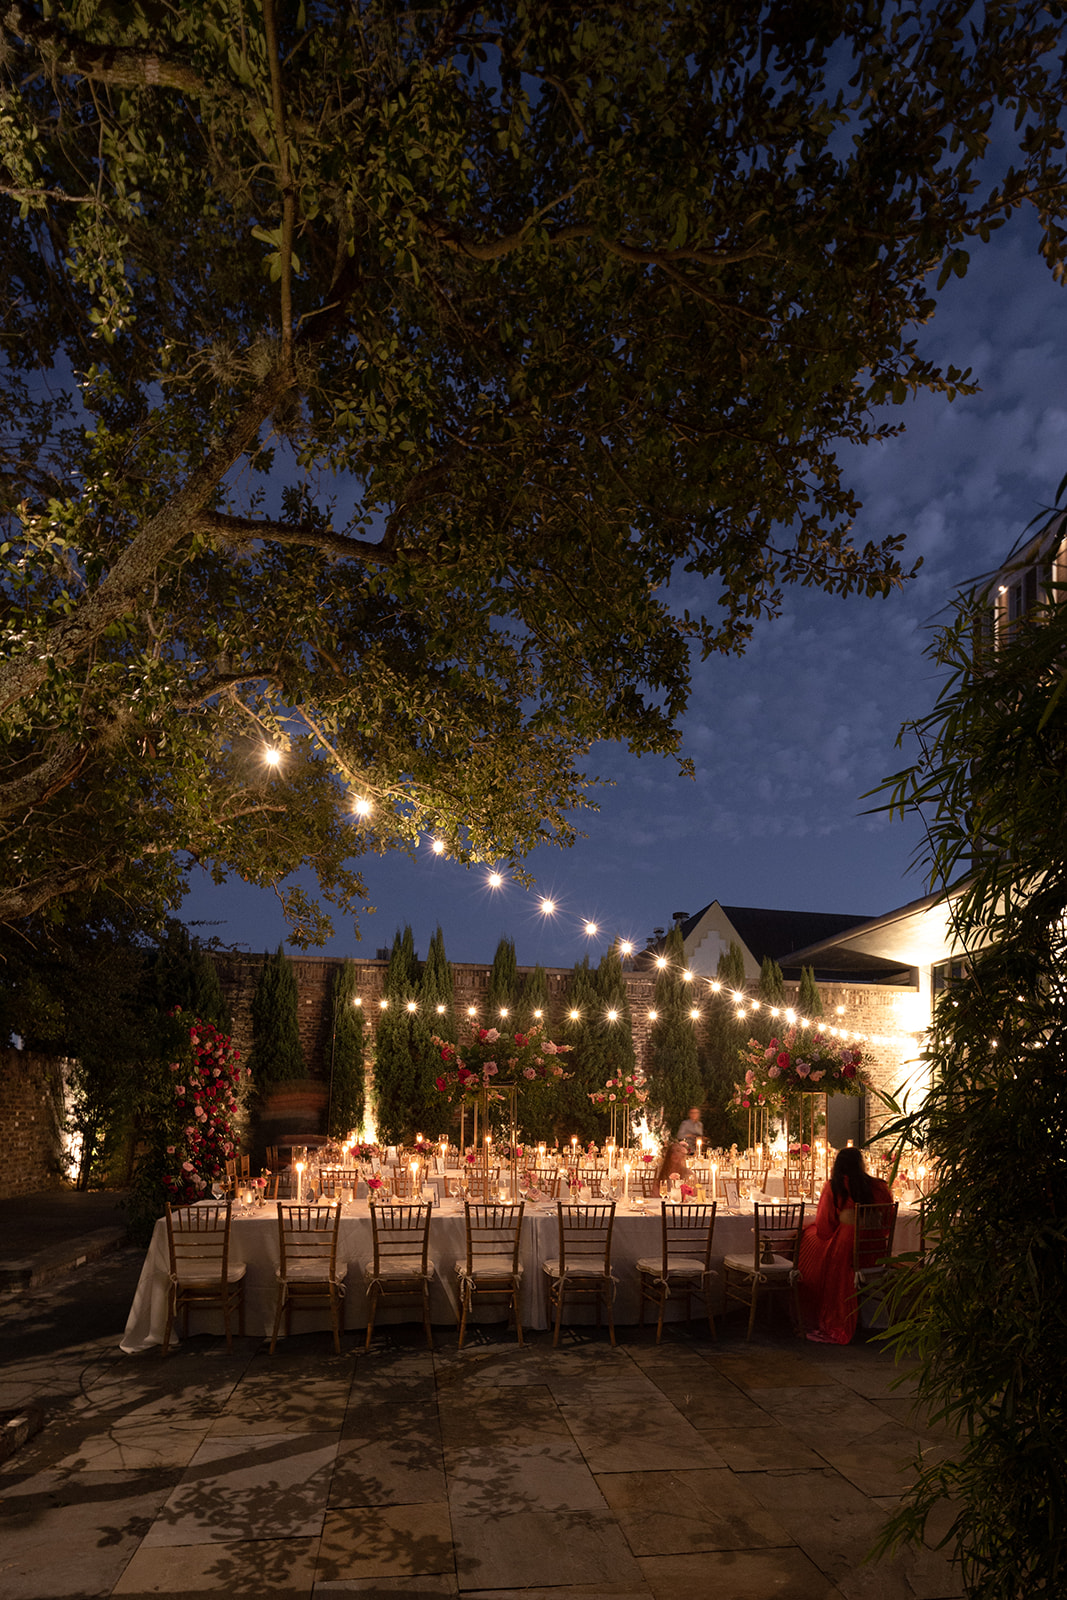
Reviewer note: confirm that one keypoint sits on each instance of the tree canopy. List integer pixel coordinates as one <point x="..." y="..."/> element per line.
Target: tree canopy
<point x="368" y="372"/>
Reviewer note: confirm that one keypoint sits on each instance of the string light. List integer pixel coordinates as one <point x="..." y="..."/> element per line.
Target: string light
<point x="438" y="847"/>
<point x="591" y="929"/>
<point x="495" y="880"/>
<point x="362" y="807"/>
<point x="547" y="907"/>
<point x="272" y="757"/>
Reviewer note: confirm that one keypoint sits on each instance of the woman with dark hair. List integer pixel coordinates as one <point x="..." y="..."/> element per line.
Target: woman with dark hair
<point x="828" y="1301"/>
<point x="675" y="1162"/>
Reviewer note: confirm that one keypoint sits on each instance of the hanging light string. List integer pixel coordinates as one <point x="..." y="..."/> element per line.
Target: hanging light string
<point x="719" y="993"/>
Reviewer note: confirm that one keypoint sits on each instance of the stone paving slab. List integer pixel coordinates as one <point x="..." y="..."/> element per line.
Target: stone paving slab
<point x="721" y="1468"/>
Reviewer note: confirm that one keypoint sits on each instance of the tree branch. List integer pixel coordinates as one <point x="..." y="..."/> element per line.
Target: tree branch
<point x="242" y="530"/>
<point x="126" y="66"/>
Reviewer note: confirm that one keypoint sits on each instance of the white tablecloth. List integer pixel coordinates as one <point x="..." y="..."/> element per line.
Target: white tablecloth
<point x="254" y="1240"/>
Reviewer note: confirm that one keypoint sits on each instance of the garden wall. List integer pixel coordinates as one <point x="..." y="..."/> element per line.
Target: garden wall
<point x="31" y="1110"/>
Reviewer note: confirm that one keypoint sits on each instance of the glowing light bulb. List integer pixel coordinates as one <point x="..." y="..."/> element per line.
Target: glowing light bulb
<point x="538" y="1014"/>
<point x="591" y="928"/>
<point x="441" y="1011"/>
<point x="547" y="907"/>
<point x="362" y="807"/>
<point x="695" y="1014"/>
<point x="383" y="1005"/>
<point x="661" y="962"/>
<point x="495" y="880"/>
<point x="503" y="1011"/>
<point x="613" y="1016"/>
<point x="438" y="847"/>
<point x="412" y="1006"/>
<point x="687" y="977"/>
<point x="626" y="948"/>
<point x="653" y="1016"/>
<point x="574" y="1015"/>
<point x="272" y="757"/>
<point x="358" y="1001"/>
<point x="472" y="1011"/>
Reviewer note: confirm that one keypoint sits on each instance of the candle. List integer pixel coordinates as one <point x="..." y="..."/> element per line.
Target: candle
<point x="298" y="1167"/>
<point x="574" y="1144"/>
<point x="699" y="1145"/>
<point x="625" y="1180"/>
<point x="714" y="1180"/>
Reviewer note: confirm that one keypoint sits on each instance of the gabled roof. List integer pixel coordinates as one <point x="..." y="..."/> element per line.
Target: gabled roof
<point x="779" y="933"/>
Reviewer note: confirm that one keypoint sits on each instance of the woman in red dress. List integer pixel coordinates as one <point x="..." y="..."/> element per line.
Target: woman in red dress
<point x="828" y="1301"/>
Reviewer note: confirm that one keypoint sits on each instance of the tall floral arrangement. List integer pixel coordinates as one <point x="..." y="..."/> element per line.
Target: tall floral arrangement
<point x="804" y="1059"/>
<point x="203" y="1113"/>
<point x="623" y="1090"/>
<point x="490" y="1059"/>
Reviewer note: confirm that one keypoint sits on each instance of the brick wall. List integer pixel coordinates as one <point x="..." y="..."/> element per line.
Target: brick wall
<point x="31" y="1100"/>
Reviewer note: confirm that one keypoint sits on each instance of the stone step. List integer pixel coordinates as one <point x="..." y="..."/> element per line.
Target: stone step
<point x="31" y="1270"/>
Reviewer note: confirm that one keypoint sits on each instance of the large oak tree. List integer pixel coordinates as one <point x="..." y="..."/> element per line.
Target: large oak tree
<point x="367" y="372"/>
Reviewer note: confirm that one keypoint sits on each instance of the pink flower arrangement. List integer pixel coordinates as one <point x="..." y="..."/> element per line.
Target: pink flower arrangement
<point x="801" y="1060"/>
<point x="471" y="1068"/>
<point x="206" y="1101"/>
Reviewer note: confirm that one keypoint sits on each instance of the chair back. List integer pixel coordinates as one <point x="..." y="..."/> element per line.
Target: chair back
<point x="645" y="1180"/>
<point x="873" y="1235"/>
<point x="403" y="1183"/>
<point x="480" y="1185"/>
<point x="687" y="1233"/>
<point x="756" y="1175"/>
<point x="585" y="1237"/>
<point x="494" y="1235"/>
<point x="400" y="1233"/>
<point x="307" y="1239"/>
<point x="271" y="1180"/>
<point x="332" y="1180"/>
<point x="799" y="1185"/>
<point x="198" y="1241"/>
<point x="777" y="1231"/>
<point x="273" y="1161"/>
<point x="547" y="1180"/>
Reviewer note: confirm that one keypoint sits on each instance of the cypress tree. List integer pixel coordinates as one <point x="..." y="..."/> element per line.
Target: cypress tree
<point x="724" y="1037"/>
<point x="542" y="1101"/>
<point x="576" y="1113"/>
<point x="809" y="1000"/>
<point x="276" y="1056"/>
<point x="615" y="1024"/>
<point x="394" y="1061"/>
<point x="771" y="995"/>
<point x="431" y="1111"/>
<point x="503" y="984"/>
<point x="181" y="973"/>
<point x="674" y="1077"/>
<point x="347" y="1072"/>
<point x="533" y="997"/>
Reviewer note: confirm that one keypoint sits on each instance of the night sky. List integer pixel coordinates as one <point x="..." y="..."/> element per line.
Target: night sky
<point x="788" y="738"/>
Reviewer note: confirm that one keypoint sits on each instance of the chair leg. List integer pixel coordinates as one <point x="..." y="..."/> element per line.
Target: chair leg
<point x="610" y="1312"/>
<point x="464" y="1307"/>
<point x="752" y="1312"/>
<point x="518" y="1318"/>
<point x="426" y="1315"/>
<point x="662" y="1309"/>
<point x="277" y="1318"/>
<point x="559" y="1317"/>
<point x="372" y="1305"/>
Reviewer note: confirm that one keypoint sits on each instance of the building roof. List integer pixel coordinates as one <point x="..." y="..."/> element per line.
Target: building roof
<point x="779" y="933"/>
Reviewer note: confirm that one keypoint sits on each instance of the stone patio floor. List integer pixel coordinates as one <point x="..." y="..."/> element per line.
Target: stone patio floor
<point x="736" y="1470"/>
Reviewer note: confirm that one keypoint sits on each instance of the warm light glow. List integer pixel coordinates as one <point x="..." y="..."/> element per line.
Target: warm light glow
<point x="653" y="1016"/>
<point x="495" y="880"/>
<point x="412" y="1006"/>
<point x="383" y="1005"/>
<point x="538" y="1014"/>
<point x="574" y="1015"/>
<point x="358" y="1001"/>
<point x="591" y="928"/>
<point x="548" y="907"/>
<point x="438" y="847"/>
<point x="613" y="1016"/>
<point x="695" y="1014"/>
<point x="272" y="757"/>
<point x="716" y="986"/>
<point x="790" y="1016"/>
<point x="661" y="962"/>
<point x="472" y="1011"/>
<point x="687" y="977"/>
<point x="362" y="807"/>
<point x="441" y="1010"/>
<point x="503" y="1011"/>
<point x="626" y="948"/>
<point x="840" y="1011"/>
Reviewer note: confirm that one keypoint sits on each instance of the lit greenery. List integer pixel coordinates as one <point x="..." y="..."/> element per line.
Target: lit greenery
<point x="369" y="372"/>
<point x="723" y="1037"/>
<point x="673" y="1068"/>
<point x="985" y="1318"/>
<point x="276" y="1056"/>
<point x="347" y="1069"/>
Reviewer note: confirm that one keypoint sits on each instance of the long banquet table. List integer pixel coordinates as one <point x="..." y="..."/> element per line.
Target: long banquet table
<point x="254" y="1240"/>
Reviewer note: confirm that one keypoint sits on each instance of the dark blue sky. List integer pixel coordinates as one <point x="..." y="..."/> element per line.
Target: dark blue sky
<point x="787" y="738"/>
